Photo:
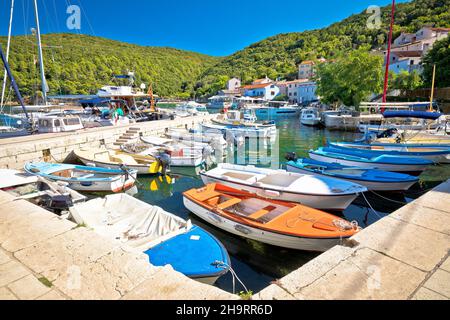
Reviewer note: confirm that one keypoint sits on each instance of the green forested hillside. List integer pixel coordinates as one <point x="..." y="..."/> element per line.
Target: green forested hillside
<point x="279" y="56"/>
<point x="82" y="64"/>
<point x="79" y="64"/>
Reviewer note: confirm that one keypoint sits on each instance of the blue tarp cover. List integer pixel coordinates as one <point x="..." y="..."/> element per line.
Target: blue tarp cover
<point x="412" y="114"/>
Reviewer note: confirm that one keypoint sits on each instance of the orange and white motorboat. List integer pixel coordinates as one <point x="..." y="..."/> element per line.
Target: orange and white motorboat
<point x="279" y="223"/>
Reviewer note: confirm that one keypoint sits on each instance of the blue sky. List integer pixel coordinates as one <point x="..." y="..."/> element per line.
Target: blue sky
<point x="207" y="26"/>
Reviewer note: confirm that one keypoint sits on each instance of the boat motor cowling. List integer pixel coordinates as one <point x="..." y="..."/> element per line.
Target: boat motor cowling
<point x="291" y="156"/>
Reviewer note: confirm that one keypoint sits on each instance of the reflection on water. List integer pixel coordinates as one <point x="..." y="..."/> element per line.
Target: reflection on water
<point x="258" y="264"/>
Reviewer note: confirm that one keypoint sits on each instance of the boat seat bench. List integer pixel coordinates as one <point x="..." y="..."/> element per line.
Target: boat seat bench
<point x="229" y="203"/>
<point x="261" y="213"/>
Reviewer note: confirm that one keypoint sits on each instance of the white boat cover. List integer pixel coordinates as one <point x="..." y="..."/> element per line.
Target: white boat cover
<point x="10" y="178"/>
<point x="123" y="218"/>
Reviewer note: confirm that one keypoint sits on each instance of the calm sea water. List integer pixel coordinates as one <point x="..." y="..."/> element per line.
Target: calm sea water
<point x="258" y="264"/>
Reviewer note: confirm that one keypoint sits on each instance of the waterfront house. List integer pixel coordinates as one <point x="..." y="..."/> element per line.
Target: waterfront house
<point x="306" y="92"/>
<point x="266" y="91"/>
<point x="292" y="90"/>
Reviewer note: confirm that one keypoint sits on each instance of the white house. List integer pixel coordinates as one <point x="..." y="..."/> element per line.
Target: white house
<point x="409" y="48"/>
<point x="406" y="60"/>
<point x="266" y="91"/>
<point x="404" y="38"/>
<point x="432" y="33"/>
<point x="233" y="84"/>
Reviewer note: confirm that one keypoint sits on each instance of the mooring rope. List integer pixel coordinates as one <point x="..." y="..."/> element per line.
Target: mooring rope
<point x="233" y="274"/>
<point x="374" y="211"/>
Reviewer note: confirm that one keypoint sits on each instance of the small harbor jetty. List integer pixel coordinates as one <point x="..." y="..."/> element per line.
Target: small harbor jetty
<point x="402" y="256"/>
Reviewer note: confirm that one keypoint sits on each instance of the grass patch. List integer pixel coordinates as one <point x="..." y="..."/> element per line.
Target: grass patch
<point x="46" y="282"/>
<point x="246" y="295"/>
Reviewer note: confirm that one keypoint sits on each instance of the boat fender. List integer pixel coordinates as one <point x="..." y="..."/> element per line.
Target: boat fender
<point x="271" y="193"/>
<point x="242" y="229"/>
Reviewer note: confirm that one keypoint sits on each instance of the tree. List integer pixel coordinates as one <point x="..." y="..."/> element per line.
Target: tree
<point x="405" y="81"/>
<point x="439" y="55"/>
<point x="350" y="79"/>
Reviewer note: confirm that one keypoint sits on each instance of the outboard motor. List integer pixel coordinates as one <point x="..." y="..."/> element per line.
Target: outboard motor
<point x="208" y="154"/>
<point x="387" y="133"/>
<point x="59" y="203"/>
<point x="164" y="160"/>
<point x="291" y="156"/>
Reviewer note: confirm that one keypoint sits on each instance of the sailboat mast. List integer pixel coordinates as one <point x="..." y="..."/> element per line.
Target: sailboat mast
<point x="13" y="81"/>
<point x="8" y="46"/>
<point x="432" y="88"/>
<point x="41" y="58"/>
<point x="388" y="57"/>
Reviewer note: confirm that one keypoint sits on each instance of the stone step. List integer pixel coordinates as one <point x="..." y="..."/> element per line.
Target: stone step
<point x="129" y="135"/>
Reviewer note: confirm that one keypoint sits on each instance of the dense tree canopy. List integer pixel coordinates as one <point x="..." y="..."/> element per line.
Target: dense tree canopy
<point x="350" y="80"/>
<point x="439" y="55"/>
<point x="79" y="64"/>
<point x="279" y="56"/>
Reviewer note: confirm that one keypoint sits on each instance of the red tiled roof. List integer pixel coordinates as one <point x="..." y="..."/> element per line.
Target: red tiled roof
<point x="257" y="86"/>
<point x="441" y="29"/>
<point x="408" y="53"/>
<point x="308" y="62"/>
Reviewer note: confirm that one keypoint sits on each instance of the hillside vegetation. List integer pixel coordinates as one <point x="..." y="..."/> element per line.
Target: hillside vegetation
<point x="278" y="56"/>
<point x="79" y="64"/>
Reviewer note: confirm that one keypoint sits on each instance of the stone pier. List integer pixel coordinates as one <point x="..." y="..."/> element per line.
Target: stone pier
<point x="43" y="257"/>
<point x="15" y="152"/>
<point x="402" y="256"/>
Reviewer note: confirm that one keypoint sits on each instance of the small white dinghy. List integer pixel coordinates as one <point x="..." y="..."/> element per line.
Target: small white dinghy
<point x="316" y="192"/>
<point x="83" y="178"/>
<point x="56" y="197"/>
<point x="165" y="238"/>
<point x="181" y="154"/>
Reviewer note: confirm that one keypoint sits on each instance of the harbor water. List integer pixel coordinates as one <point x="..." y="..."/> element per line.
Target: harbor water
<point x="258" y="264"/>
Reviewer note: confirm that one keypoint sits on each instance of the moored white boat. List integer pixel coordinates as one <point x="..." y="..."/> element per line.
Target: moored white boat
<point x="381" y="162"/>
<point x="181" y="155"/>
<point x="310" y="117"/>
<point x="82" y="178"/>
<point x="437" y="155"/>
<point x="116" y="159"/>
<point x="315" y="192"/>
<point x="372" y="179"/>
<point x="278" y="223"/>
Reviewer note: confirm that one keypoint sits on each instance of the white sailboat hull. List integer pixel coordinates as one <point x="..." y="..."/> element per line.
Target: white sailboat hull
<point x="329" y="202"/>
<point x="118" y="185"/>
<point x="141" y="169"/>
<point x="272" y="238"/>
<point x="379" y="166"/>
<point x="310" y="122"/>
<point x="370" y="185"/>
